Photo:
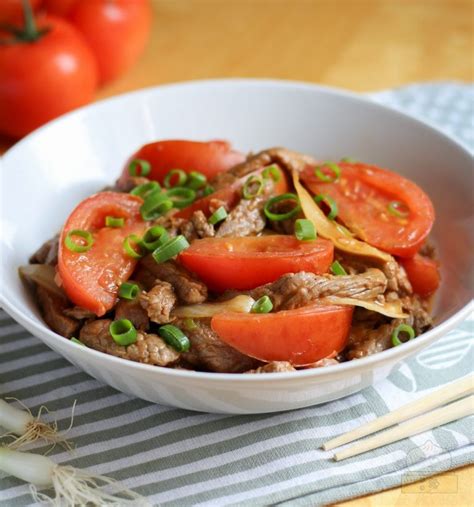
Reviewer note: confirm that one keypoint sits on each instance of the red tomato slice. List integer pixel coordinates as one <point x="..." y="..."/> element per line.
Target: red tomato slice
<point x="423" y="274"/>
<point x="91" y="279"/>
<point x="209" y="158"/>
<point x="302" y="336"/>
<point x="246" y="263"/>
<point x="363" y="194"/>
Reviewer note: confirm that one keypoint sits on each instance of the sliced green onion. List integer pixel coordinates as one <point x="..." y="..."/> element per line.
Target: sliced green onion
<point x="78" y="247"/>
<point x="196" y="180"/>
<point x="208" y="190"/>
<point x="262" y="305"/>
<point x="252" y="181"/>
<point x="170" y="249"/>
<point x="123" y="332"/>
<point x="337" y="269"/>
<point x="174" y="337"/>
<point x="128" y="290"/>
<point x="172" y="175"/>
<point x="144" y="166"/>
<point x="325" y="177"/>
<point x="189" y="324"/>
<point x="218" y="216"/>
<point x="333" y="209"/>
<point x="181" y="196"/>
<point x="398" y="209"/>
<point x="114" y="221"/>
<point x="154" y="237"/>
<point x="75" y="340"/>
<point x="305" y="230"/>
<point x="273" y="172"/>
<point x="146" y="189"/>
<point x="129" y="249"/>
<point x="402" y="328"/>
<point x="155" y="205"/>
<point x="281" y="216"/>
<point x="349" y="160"/>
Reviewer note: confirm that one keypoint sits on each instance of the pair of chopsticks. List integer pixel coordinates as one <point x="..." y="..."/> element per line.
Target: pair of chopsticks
<point x="463" y="388"/>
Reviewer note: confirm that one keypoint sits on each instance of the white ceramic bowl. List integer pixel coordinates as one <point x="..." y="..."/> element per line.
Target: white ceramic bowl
<point x="48" y="173"/>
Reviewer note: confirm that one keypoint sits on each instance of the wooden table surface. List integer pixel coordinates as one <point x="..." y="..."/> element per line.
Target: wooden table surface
<point x="357" y="44"/>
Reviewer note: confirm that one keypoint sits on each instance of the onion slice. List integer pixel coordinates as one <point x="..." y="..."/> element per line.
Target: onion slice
<point x="238" y="304"/>
<point x="391" y="309"/>
<point x="43" y="275"/>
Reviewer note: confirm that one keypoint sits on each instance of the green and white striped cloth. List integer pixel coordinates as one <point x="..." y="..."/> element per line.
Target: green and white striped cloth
<point x="181" y="458"/>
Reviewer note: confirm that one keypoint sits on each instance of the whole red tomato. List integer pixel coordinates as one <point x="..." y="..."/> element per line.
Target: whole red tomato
<point x="44" y="77"/>
<point x="13" y="9"/>
<point x="59" y="7"/>
<point x="116" y="30"/>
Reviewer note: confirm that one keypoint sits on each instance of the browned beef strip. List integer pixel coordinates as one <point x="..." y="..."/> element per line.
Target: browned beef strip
<point x="188" y="289"/>
<point x="246" y="219"/>
<point x="126" y="185"/>
<point x="198" y="227"/>
<point x="294" y="290"/>
<point x="273" y="367"/>
<point x="52" y="308"/>
<point x="209" y="352"/>
<point x="47" y="253"/>
<point x="77" y="312"/>
<point x="133" y="311"/>
<point x="148" y="349"/>
<point x="158" y="302"/>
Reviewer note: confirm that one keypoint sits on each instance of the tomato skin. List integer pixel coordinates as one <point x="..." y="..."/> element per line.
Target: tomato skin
<point x="209" y="158"/>
<point x="423" y="274"/>
<point x="59" y="7"/>
<point x="363" y="194"/>
<point x="91" y="279"/>
<point x="246" y="263"/>
<point x="12" y="10"/>
<point x="302" y="336"/>
<point x="44" y="79"/>
<point x="117" y="32"/>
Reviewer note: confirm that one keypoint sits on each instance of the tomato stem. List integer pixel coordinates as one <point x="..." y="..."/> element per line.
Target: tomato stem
<point x="29" y="32"/>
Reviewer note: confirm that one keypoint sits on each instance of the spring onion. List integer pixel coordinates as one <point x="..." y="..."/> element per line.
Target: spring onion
<point x="155" y="205"/>
<point x="146" y="189"/>
<point x="181" y="196"/>
<point x="252" y="187"/>
<point x="208" y="190"/>
<point x="398" y="209"/>
<point x="84" y="246"/>
<point x="154" y="237"/>
<point x="175" y="178"/>
<point x="189" y="324"/>
<point x="170" y="249"/>
<point x="218" y="215"/>
<point x="141" y="164"/>
<point x="305" y="230"/>
<point x="325" y="177"/>
<point x="123" y="332"/>
<point x="337" y="269"/>
<point x="114" y="222"/>
<point x="349" y="160"/>
<point x="131" y="250"/>
<point x="402" y="328"/>
<point x="128" y="290"/>
<point x="196" y="180"/>
<point x="238" y="304"/>
<point x="333" y="209"/>
<point x="273" y="172"/>
<point x="76" y="341"/>
<point x="262" y="305"/>
<point x="174" y="337"/>
<point x="281" y="216"/>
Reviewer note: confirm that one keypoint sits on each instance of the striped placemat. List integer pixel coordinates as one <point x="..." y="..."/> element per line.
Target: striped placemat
<point x="181" y="458"/>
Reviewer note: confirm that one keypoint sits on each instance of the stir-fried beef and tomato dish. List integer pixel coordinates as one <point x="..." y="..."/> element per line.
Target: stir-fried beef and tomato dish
<point x="203" y="258"/>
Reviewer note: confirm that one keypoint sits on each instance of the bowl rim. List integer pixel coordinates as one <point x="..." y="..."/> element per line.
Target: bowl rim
<point x="390" y="355"/>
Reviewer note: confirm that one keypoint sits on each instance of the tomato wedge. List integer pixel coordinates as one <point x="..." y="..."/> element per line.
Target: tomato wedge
<point x="302" y="336"/>
<point x="423" y="274"/>
<point x="209" y="158"/>
<point x="91" y="279"/>
<point x="246" y="263"/>
<point x="363" y="194"/>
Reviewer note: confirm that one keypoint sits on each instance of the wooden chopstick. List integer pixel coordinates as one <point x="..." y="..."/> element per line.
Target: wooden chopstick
<point x="449" y="393"/>
<point x="444" y="415"/>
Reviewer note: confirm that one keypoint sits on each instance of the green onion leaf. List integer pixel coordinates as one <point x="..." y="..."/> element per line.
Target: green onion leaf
<point x="79" y="247"/>
<point x="325" y="177"/>
<point x="262" y="305"/>
<point x="218" y="215"/>
<point x="337" y="269"/>
<point x="349" y="160"/>
<point x="146" y="189"/>
<point x="196" y="180"/>
<point x="273" y="172"/>
<point x="174" y="337"/>
<point x="281" y="216"/>
<point x="171" y="248"/>
<point x="252" y="187"/>
<point x="128" y="290"/>
<point x="398" y="209"/>
<point x="154" y="237"/>
<point x="178" y="176"/>
<point x="137" y="163"/>
<point x="155" y="205"/>
<point x="402" y="328"/>
<point x="75" y="340"/>
<point x="132" y="250"/>
<point x="189" y="324"/>
<point x="181" y="196"/>
<point x="114" y="221"/>
<point x="208" y="190"/>
<point x="305" y="230"/>
<point x="333" y="209"/>
<point x="123" y="332"/>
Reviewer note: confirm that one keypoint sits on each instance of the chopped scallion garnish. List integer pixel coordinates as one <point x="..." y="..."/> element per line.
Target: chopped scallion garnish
<point x="181" y="196"/>
<point x="155" y="205"/>
<point x="81" y="247"/>
<point x="349" y="160"/>
<point x="114" y="221"/>
<point x="337" y="269"/>
<point x="325" y="177"/>
<point x="75" y="340"/>
<point x="154" y="237"/>
<point x="252" y="187"/>
<point x="218" y="215"/>
<point x="146" y="189"/>
<point x="132" y="250"/>
<point x="123" y="332"/>
<point x="281" y="216"/>
<point x="174" y="337"/>
<point x="143" y="166"/>
<point x="402" y="328"/>
<point x="273" y="172"/>
<point x="170" y="249"/>
<point x="128" y="290"/>
<point x="305" y="230"/>
<point x="175" y="178"/>
<point x="333" y="209"/>
<point x="208" y="190"/>
<point x="196" y="180"/>
<point x="262" y="305"/>
<point x="398" y="209"/>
